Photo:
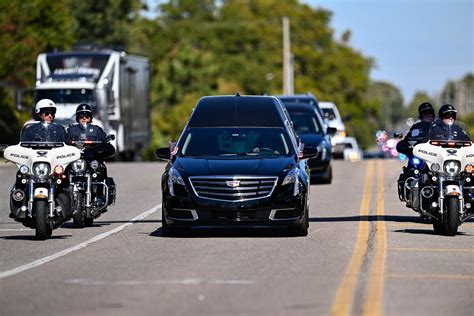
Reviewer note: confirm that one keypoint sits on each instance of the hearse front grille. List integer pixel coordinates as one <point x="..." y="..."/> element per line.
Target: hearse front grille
<point x="233" y="188"/>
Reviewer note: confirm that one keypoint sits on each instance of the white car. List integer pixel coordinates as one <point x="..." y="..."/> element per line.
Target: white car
<point x="334" y="118"/>
<point x="351" y="151"/>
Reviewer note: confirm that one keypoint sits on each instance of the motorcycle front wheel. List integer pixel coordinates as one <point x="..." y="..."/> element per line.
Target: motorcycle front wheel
<point x="78" y="217"/>
<point x="450" y="224"/>
<point x="43" y="229"/>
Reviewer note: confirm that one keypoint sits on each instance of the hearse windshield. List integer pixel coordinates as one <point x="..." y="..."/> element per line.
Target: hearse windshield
<point x="235" y="141"/>
<point x="305" y="122"/>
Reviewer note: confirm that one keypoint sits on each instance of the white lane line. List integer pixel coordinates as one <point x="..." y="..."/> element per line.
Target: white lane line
<point x="13" y="229"/>
<point x="160" y="282"/>
<point x="67" y="251"/>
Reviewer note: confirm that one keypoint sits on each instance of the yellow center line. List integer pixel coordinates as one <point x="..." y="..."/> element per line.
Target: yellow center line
<point x="431" y="276"/>
<point x="423" y="224"/>
<point x="342" y="303"/>
<point x="434" y="249"/>
<point x="375" y="287"/>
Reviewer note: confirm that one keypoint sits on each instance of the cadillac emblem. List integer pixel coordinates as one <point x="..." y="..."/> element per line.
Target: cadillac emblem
<point x="233" y="183"/>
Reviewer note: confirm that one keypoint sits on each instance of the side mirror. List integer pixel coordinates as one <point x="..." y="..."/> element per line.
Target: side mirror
<point x="110" y="137"/>
<point x="397" y="135"/>
<point x="331" y="131"/>
<point x="163" y="153"/>
<point x="309" y="152"/>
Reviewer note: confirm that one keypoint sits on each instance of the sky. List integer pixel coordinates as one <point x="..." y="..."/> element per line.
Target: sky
<point x="418" y="45"/>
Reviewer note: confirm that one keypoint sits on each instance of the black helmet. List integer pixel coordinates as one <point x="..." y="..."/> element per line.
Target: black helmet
<point x="425" y="107"/>
<point x="447" y="109"/>
<point x="83" y="108"/>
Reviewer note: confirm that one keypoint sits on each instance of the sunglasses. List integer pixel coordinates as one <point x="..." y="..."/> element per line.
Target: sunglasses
<point x="81" y="116"/>
<point x="447" y="116"/>
<point x="47" y="113"/>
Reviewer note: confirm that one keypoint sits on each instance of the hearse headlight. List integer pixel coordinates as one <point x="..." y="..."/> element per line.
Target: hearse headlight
<point x="293" y="177"/>
<point x="24" y="169"/>
<point x="322" y="151"/>
<point x="41" y="170"/>
<point x="79" y="166"/>
<point x="452" y="167"/>
<point x="174" y="178"/>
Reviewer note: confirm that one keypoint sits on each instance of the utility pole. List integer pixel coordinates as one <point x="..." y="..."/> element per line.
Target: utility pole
<point x="288" y="71"/>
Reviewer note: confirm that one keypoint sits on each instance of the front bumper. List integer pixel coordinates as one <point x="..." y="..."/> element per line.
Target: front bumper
<point x="282" y="208"/>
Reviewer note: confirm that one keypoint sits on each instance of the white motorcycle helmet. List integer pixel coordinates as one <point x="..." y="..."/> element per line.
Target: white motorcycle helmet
<point x="45" y="104"/>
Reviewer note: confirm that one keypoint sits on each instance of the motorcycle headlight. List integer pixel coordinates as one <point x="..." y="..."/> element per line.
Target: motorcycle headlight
<point x="94" y="164"/>
<point x="24" y="169"/>
<point x="435" y="167"/>
<point x="293" y="177"/>
<point x="452" y="167"/>
<point x="41" y="170"/>
<point x="79" y="166"/>
<point x="174" y="178"/>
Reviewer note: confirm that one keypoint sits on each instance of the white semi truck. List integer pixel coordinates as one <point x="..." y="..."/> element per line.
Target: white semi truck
<point x="114" y="83"/>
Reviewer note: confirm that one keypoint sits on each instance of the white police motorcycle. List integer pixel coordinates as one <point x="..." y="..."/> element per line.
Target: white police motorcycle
<point x="444" y="192"/>
<point x="40" y="198"/>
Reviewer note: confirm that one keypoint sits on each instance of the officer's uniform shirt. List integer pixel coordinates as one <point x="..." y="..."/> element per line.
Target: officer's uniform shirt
<point x="441" y="131"/>
<point x="44" y="132"/>
<point x="90" y="132"/>
<point x="419" y="133"/>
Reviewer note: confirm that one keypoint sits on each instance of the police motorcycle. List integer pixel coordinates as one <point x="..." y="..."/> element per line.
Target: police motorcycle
<point x="40" y="199"/>
<point x="92" y="190"/>
<point x="444" y="193"/>
<point x="409" y="182"/>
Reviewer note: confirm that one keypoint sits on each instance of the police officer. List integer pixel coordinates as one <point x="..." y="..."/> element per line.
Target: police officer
<point x="85" y="130"/>
<point x="420" y="131"/>
<point x="446" y="128"/>
<point x="46" y="130"/>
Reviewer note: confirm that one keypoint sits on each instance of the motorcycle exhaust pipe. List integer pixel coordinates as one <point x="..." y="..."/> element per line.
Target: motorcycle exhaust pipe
<point x="18" y="195"/>
<point x="427" y="192"/>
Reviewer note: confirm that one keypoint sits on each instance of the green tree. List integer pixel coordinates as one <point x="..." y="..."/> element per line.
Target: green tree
<point x="220" y="47"/>
<point x="26" y="29"/>
<point x="107" y="23"/>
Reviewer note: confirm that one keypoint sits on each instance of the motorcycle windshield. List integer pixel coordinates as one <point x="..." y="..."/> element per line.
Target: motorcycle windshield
<point x="44" y="135"/>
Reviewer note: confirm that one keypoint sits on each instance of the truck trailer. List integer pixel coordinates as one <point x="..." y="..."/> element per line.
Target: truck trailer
<point x="114" y="83"/>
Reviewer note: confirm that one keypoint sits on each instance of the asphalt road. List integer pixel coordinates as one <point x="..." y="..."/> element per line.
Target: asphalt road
<point x="366" y="254"/>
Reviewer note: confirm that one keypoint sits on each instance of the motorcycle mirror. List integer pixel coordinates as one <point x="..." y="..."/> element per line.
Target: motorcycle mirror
<point x="397" y="135"/>
<point x="110" y="137"/>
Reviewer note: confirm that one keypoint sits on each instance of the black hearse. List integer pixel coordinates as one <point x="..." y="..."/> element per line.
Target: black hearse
<point x="236" y="163"/>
